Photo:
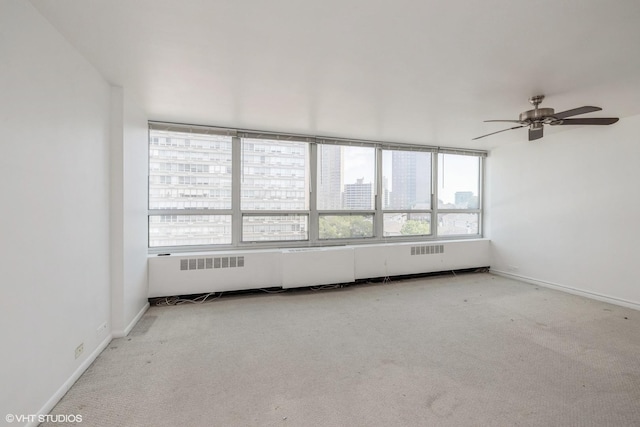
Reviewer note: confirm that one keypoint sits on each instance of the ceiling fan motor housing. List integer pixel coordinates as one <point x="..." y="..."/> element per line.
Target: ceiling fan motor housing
<point x="537" y="115"/>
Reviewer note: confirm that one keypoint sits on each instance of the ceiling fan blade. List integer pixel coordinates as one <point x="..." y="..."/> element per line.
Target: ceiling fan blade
<point x="574" y="112"/>
<point x="592" y="121"/>
<point x="535" y="133"/>
<point x="503" y="130"/>
<point x="506" y="121"/>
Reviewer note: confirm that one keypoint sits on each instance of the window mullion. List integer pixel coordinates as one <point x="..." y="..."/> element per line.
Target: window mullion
<point x="434" y="194"/>
<point x="313" y="194"/>
<point x="378" y="217"/>
<point x="481" y="196"/>
<point x="236" y="176"/>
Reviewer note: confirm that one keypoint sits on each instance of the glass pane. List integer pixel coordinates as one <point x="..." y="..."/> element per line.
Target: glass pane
<point x="274" y="228"/>
<point x="189" y="171"/>
<point x="346" y="226"/>
<point x="406" y="180"/>
<point x="182" y="230"/>
<point x="457" y="223"/>
<point x="274" y="175"/>
<point x="458" y="183"/>
<point x="406" y="224"/>
<point x="346" y="177"/>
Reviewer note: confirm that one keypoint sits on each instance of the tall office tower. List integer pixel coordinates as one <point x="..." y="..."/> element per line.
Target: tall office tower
<point x="330" y="177"/>
<point x="385" y="193"/>
<point x="358" y="195"/>
<point x="410" y="177"/>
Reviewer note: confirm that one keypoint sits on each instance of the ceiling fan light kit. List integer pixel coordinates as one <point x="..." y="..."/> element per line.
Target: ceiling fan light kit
<point x="538" y="117"/>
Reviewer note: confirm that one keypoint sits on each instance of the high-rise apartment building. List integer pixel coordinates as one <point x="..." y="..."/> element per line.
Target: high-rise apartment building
<point x="191" y="172"/>
<point x="358" y="195"/>
<point x="274" y="178"/>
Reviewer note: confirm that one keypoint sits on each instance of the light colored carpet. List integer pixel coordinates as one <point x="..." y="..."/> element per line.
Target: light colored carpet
<point x="466" y="350"/>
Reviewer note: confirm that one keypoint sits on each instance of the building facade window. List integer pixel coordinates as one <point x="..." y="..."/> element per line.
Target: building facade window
<point x="213" y="188"/>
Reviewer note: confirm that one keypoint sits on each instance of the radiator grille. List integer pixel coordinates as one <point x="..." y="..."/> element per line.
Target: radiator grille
<point x="427" y="249"/>
<point x="211" y="263"/>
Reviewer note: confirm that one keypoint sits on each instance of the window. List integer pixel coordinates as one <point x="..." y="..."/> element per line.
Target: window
<point x="189" y="230"/>
<point x="275" y="177"/>
<point x="189" y="172"/>
<point x="346" y="177"/>
<point x="345" y="226"/>
<point x="406" y="190"/>
<point x="264" y="228"/>
<point x="346" y="191"/>
<point x="224" y="188"/>
<point x="458" y="194"/>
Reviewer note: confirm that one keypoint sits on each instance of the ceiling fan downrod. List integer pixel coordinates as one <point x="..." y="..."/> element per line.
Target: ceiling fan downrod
<point x="537" y="115"/>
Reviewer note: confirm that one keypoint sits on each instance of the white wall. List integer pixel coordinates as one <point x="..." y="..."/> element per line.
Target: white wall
<point x="564" y="211"/>
<point x="54" y="232"/>
<point x="73" y="242"/>
<point x="135" y="251"/>
<point x="129" y="170"/>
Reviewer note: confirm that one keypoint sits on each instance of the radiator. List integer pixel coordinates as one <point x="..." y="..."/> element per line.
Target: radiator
<point x="194" y="273"/>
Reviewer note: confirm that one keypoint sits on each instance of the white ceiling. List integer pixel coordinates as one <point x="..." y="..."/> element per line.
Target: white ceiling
<point x="422" y="71"/>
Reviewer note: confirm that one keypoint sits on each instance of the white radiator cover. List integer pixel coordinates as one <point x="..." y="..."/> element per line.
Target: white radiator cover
<point x="193" y="273"/>
<point x="317" y="266"/>
<point x="396" y="259"/>
<point x="262" y="269"/>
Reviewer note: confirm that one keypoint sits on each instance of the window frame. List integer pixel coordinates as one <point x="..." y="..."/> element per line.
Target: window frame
<point x="260" y="139"/>
<point x="432" y="198"/>
<point x="312" y="213"/>
<point x="441" y="211"/>
<point x="374" y="212"/>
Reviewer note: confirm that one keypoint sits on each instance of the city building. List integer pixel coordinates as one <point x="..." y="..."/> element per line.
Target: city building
<point x="358" y="195"/>
<point x="464" y="199"/>
<point x="330" y="179"/>
<point x="410" y="177"/>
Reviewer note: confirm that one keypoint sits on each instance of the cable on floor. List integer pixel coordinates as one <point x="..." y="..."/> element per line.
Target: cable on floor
<point x="272" y="291"/>
<point x="200" y="299"/>
<point x="324" y="287"/>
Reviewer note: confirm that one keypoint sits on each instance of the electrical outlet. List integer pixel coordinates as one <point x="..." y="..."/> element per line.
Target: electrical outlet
<point x="79" y="349"/>
<point x="101" y="329"/>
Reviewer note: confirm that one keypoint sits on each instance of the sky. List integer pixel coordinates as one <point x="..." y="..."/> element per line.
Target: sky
<point x="460" y="173"/>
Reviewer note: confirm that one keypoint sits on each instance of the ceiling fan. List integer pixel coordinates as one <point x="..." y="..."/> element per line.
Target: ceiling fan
<point x="538" y="117"/>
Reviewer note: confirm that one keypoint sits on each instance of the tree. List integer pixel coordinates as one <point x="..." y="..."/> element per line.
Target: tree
<point x="415" y="227"/>
<point x="345" y="226"/>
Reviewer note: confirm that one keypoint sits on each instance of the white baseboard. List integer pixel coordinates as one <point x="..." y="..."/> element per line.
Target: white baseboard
<point x="125" y="332"/>
<point x="71" y="380"/>
<point x="51" y="403"/>
<point x="568" y="289"/>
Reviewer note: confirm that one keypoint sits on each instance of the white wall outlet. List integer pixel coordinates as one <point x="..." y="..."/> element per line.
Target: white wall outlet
<point x="101" y="329"/>
<point x="79" y="349"/>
